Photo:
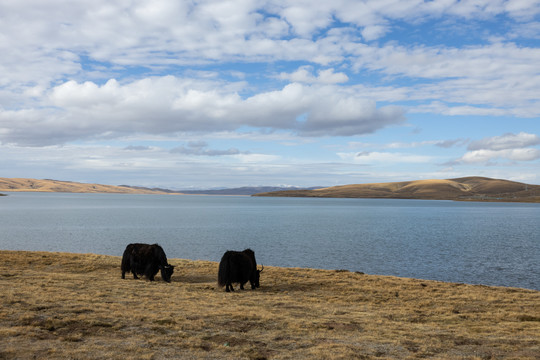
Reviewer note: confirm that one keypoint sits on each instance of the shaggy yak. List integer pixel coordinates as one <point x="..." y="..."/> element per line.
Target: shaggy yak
<point x="145" y="259"/>
<point x="238" y="267"/>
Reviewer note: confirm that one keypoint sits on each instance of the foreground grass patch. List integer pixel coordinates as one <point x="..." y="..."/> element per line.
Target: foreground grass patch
<point x="56" y="306"/>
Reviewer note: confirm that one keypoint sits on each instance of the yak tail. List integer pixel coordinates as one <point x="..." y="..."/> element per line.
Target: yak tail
<point x="224" y="270"/>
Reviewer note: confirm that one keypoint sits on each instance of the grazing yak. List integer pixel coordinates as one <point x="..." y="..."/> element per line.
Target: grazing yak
<point x="145" y="259"/>
<point x="238" y="267"/>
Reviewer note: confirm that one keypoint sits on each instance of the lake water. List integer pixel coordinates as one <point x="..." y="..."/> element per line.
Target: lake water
<point x="477" y="243"/>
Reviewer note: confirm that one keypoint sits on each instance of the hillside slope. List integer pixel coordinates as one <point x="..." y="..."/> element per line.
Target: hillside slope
<point x="467" y="188"/>
<point x="47" y="185"/>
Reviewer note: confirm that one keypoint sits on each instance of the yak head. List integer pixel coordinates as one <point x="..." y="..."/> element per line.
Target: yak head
<point x="258" y="277"/>
<point x="166" y="272"/>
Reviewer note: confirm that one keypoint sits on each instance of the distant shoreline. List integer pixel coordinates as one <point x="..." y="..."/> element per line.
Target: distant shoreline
<point x="477" y="189"/>
<point x="508" y="200"/>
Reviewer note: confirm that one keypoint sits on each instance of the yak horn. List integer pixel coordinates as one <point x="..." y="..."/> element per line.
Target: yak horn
<point x="262" y="268"/>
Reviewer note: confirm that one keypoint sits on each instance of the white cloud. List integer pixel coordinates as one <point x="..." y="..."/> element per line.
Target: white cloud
<point x="495" y="80"/>
<point x="376" y="157"/>
<point x="486" y="156"/>
<point x="172" y="32"/>
<point x="373" y="32"/>
<point x="305" y="75"/>
<point x="529" y="30"/>
<point x="200" y="148"/>
<point x="510" y="147"/>
<point x="328" y="76"/>
<point x="524" y="9"/>
<point x="168" y="104"/>
<point x="305" y="18"/>
<point x="505" y="142"/>
<point x="438" y="107"/>
<point x="486" y="62"/>
<point x="416" y="144"/>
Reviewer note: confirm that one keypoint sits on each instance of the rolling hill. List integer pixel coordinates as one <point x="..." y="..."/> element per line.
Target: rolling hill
<point x="465" y="189"/>
<point x="47" y="185"/>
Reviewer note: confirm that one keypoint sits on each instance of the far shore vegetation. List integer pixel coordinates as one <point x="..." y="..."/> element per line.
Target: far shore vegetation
<point x="76" y="306"/>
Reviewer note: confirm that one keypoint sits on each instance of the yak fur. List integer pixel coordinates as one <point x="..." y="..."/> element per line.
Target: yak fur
<point x="238" y="267"/>
<point x="147" y="260"/>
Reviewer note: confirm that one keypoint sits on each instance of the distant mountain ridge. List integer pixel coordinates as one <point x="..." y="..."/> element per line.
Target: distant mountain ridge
<point x="465" y="189"/>
<point x="245" y="190"/>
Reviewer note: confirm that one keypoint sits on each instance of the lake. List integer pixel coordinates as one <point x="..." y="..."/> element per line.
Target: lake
<point x="470" y="242"/>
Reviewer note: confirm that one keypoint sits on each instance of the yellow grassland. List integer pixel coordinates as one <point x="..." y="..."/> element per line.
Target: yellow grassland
<point x="468" y="188"/>
<point x="35" y="185"/>
<point x="76" y="306"/>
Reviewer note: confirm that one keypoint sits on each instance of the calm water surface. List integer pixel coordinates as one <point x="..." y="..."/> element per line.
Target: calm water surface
<point x="478" y="243"/>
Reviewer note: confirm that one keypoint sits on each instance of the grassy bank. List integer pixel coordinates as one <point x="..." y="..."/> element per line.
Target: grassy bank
<point x="55" y="305"/>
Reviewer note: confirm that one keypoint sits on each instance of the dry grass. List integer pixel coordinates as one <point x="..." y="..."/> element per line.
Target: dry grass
<point x="32" y="185"/>
<point x="58" y="306"/>
<point x="470" y="188"/>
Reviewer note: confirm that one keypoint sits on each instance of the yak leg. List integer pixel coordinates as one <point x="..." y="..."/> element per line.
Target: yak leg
<point x="229" y="287"/>
<point x="134" y="268"/>
<point x="123" y="274"/>
<point x="149" y="272"/>
<point x="241" y="286"/>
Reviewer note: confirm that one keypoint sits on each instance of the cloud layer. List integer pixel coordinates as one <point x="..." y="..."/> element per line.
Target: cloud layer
<point x="209" y="76"/>
<point x="75" y="68"/>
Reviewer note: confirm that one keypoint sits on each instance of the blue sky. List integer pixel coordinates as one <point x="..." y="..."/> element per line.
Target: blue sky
<point x="206" y="94"/>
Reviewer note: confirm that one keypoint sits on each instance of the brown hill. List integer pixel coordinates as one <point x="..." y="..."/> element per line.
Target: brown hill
<point x="467" y="188"/>
<point x="15" y="184"/>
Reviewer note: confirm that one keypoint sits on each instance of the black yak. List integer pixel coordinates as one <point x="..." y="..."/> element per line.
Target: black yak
<point x="238" y="267"/>
<point x="145" y="259"/>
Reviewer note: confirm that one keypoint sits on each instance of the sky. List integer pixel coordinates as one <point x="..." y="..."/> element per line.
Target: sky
<point x="209" y="94"/>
